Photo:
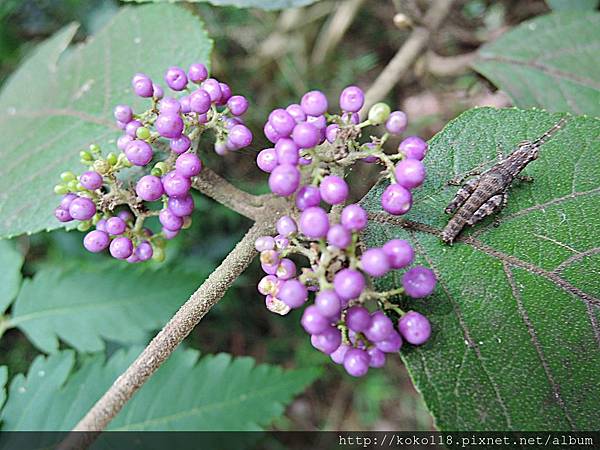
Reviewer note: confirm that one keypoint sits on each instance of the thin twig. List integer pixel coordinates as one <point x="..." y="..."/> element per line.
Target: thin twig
<point x="165" y="342"/>
<point x="408" y="53"/>
<point x="449" y="66"/>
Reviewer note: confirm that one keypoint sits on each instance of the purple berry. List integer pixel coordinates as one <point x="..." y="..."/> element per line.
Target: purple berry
<point x="131" y="128"/>
<point x="348" y="284"/>
<point x="200" y="101"/>
<point x="282" y="122"/>
<point x="338" y="355"/>
<point x="270" y="133"/>
<point x="318" y="121"/>
<point x="169" y="105"/>
<point x="296" y="112"/>
<point x="264" y="243"/>
<point x="91" y="180"/>
<point x="391" y="344"/>
<point x="356" y="362"/>
<point x="62" y="214"/>
<point x="121" y="248"/>
<point x="138" y="152"/>
<point x="334" y="190"/>
<point x="197" y="73"/>
<point x="181" y="206"/>
<point x="225" y="93"/>
<point x="123" y="113"/>
<point x="175" y="184"/>
<point x="67" y="200"/>
<point x="286" y="269"/>
<point x="176" y="78"/>
<point x="331" y="132"/>
<point x="123" y="141"/>
<point x="144" y="251"/>
<point x="149" y="188"/>
<point x="125" y="215"/>
<point x="328" y="340"/>
<point x="314" y="222"/>
<point x="399" y="252"/>
<point x="180" y="145"/>
<point x="169" y="125"/>
<point x="115" y="226"/>
<point x="238" y="105"/>
<point x="418" y="282"/>
<point x="267" y="160"/>
<point x="286" y="226"/>
<point x="142" y="85"/>
<point x="351" y="118"/>
<point x="188" y="165"/>
<point x="284" y="179"/>
<point x="169" y="220"/>
<point x="101" y="225"/>
<point x="374" y="261"/>
<point x="414" y="328"/>
<point x="169" y="234"/>
<point x="96" y="241"/>
<point x="358" y="318"/>
<point x="293" y="293"/>
<point x="354" y="217"/>
<point x="413" y="147"/>
<point x="396" y="199"/>
<point x="157" y="91"/>
<point x="352" y="99"/>
<point x="268" y="285"/>
<point x="213" y="88"/>
<point x="305" y="135"/>
<point x="328" y="303"/>
<point x="396" y="123"/>
<point x="240" y="136"/>
<point x="281" y="242"/>
<point x="82" y="208"/>
<point x="287" y="151"/>
<point x="410" y="173"/>
<point x="313" y="321"/>
<point x="308" y="196"/>
<point x="377" y="357"/>
<point x="314" y="103"/>
<point x="381" y="327"/>
<point x="338" y="236"/>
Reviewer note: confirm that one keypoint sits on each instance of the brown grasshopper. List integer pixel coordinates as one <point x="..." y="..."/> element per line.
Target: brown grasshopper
<point x="488" y="192"/>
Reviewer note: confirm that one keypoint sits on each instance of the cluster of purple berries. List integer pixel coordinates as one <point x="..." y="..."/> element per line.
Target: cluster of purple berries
<point x="312" y="145"/>
<point x="339" y="321"/>
<point x="99" y="198"/>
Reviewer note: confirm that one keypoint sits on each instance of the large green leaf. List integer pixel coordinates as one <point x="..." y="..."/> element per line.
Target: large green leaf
<point x="261" y="4"/>
<point x="11" y="261"/>
<point x="84" y="305"/>
<point x="61" y="100"/>
<point x="211" y="394"/>
<point x="562" y="5"/>
<point x="515" y="315"/>
<point x="550" y="62"/>
<point x="3" y="380"/>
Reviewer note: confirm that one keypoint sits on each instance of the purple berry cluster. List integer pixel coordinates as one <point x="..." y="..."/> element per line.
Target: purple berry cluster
<point x="339" y="321"/>
<point x="160" y="141"/>
<point x="312" y="148"/>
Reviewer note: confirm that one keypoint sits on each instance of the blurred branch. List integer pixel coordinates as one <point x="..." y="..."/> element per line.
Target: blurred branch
<point x="447" y="66"/>
<point x="334" y="29"/>
<point x="165" y="342"/>
<point x="408" y="53"/>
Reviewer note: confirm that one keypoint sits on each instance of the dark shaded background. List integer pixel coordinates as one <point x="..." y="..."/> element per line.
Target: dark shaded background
<point x="272" y="58"/>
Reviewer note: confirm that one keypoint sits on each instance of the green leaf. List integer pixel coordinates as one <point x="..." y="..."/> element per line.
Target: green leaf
<point x="269" y="5"/>
<point x="11" y="261"/>
<point x="3" y="380"/>
<point x="515" y="315"/>
<point x="566" y="5"/>
<point x="215" y="393"/>
<point x="84" y="305"/>
<point x="61" y="100"/>
<point x="550" y="62"/>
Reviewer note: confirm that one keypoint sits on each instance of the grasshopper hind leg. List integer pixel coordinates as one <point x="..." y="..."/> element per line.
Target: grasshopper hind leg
<point x="462" y="195"/>
<point x="493" y="205"/>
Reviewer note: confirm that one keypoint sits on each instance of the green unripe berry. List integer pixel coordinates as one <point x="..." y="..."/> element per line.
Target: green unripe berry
<point x="67" y="176"/>
<point x="94" y="148"/>
<point x="158" y="254"/>
<point x="111" y="159"/>
<point x="61" y="189"/>
<point x="379" y="113"/>
<point x="85" y="155"/>
<point x="156" y="172"/>
<point x="101" y="166"/>
<point x="142" y="133"/>
<point x="84" y="226"/>
<point x="187" y="222"/>
<point x="162" y="167"/>
<point x="97" y="217"/>
<point x="80" y="187"/>
<point x="72" y="185"/>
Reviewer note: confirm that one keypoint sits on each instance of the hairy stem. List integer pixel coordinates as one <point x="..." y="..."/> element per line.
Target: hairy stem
<point x="165" y="342"/>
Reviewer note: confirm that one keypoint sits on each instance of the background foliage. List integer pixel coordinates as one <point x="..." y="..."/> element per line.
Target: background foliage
<point x="527" y="291"/>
